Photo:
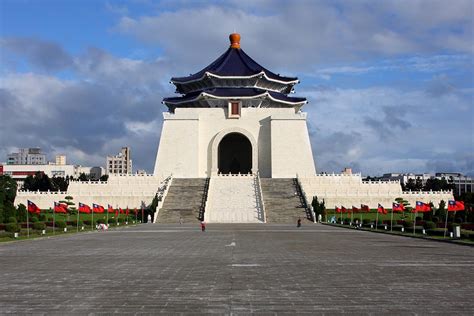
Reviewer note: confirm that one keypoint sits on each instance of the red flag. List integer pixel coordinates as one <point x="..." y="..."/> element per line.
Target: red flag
<point x="398" y="207"/>
<point x="110" y="209"/>
<point x="365" y="208"/>
<point x="454" y="206"/>
<point x="32" y="208"/>
<point x="96" y="208"/>
<point x="136" y="211"/>
<point x="381" y="209"/>
<point x="338" y="210"/>
<point x="126" y="213"/>
<point x="355" y="209"/>
<point x="343" y="209"/>
<point x="84" y="208"/>
<point x="117" y="212"/>
<point x="422" y="207"/>
<point x="60" y="208"/>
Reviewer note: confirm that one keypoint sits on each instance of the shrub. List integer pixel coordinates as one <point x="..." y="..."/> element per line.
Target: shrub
<point x="39" y="226"/>
<point x="12" y="219"/>
<point x="112" y="221"/>
<point x="429" y="225"/>
<point x="34" y="219"/>
<point x="12" y="227"/>
<point x="366" y="221"/>
<point x="346" y="221"/>
<point x="435" y="219"/>
<point x="100" y="221"/>
<point x="121" y="220"/>
<point x="42" y="217"/>
<point x="458" y="220"/>
<point x="408" y="224"/>
<point x="61" y="224"/>
<point x="50" y="219"/>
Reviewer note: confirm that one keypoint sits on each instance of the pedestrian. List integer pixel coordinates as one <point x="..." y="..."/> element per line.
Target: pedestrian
<point x="180" y="220"/>
<point x="203" y="226"/>
<point x="149" y="219"/>
<point x="319" y="218"/>
<point x="298" y="224"/>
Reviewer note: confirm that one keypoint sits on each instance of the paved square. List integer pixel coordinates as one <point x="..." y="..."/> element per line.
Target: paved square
<point x="235" y="269"/>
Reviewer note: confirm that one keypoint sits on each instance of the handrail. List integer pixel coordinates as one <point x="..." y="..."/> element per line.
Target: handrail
<point x="303" y="198"/>
<point x="202" y="208"/>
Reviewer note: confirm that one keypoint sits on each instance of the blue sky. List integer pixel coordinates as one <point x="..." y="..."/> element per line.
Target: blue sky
<point x="390" y="83"/>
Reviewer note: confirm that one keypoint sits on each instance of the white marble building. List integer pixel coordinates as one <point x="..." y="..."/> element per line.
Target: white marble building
<point x="235" y="117"/>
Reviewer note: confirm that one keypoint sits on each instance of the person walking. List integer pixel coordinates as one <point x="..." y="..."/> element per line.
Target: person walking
<point x="203" y="226"/>
<point x="180" y="220"/>
<point x="298" y="223"/>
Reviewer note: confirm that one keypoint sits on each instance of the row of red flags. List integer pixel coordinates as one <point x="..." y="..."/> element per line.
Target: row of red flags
<point x="420" y="207"/>
<point x="83" y="208"/>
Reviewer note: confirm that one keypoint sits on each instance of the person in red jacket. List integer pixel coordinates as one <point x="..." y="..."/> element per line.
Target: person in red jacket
<point x="203" y="226"/>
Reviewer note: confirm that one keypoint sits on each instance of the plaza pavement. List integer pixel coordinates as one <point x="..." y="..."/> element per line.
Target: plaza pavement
<point x="235" y="269"/>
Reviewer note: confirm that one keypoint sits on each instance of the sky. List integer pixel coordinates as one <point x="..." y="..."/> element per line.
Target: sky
<point x="390" y="84"/>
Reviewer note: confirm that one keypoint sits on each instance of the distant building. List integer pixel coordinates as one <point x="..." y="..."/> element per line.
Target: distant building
<point x="27" y="156"/>
<point x="461" y="183"/>
<point x="141" y="172"/>
<point x="60" y="160"/>
<point x="347" y="171"/>
<point x="405" y="177"/>
<point x="121" y="163"/>
<point x="20" y="172"/>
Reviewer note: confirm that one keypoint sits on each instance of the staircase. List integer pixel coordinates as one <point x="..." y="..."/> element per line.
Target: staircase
<point x="282" y="205"/>
<point x="233" y="199"/>
<point x="184" y="199"/>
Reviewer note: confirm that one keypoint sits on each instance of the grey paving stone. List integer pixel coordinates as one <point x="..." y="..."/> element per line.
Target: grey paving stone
<point x="270" y="270"/>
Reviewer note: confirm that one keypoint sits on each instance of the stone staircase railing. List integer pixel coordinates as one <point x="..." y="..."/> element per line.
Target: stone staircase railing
<point x="304" y="201"/>
<point x="202" y="209"/>
<point x="259" y="197"/>
<point x="161" y="194"/>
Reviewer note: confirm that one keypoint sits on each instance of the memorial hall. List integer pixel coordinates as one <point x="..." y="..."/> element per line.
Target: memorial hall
<point x="234" y="148"/>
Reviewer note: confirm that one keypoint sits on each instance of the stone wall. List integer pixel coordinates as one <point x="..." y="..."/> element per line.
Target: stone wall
<point x="119" y="191"/>
<point x="350" y="190"/>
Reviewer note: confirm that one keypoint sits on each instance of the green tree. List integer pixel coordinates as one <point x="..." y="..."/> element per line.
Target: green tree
<point x="319" y="208"/>
<point x="8" y="189"/>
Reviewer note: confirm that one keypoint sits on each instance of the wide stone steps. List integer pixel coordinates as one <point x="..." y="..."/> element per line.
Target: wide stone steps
<point x="233" y="199"/>
<point x="183" y="200"/>
<point x="282" y="203"/>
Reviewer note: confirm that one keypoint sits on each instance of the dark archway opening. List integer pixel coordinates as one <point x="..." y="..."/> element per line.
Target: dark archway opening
<point x="235" y="154"/>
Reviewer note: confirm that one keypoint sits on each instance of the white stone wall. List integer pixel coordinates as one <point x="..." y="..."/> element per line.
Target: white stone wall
<point x="188" y="135"/>
<point x="350" y="190"/>
<point x="119" y="191"/>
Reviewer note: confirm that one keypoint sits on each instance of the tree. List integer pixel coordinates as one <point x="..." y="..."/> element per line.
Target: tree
<point x="406" y="205"/>
<point x="59" y="184"/>
<point x="437" y="185"/>
<point x="38" y="182"/>
<point x="83" y="177"/>
<point x="8" y="189"/>
<point x="319" y="208"/>
<point x="105" y="177"/>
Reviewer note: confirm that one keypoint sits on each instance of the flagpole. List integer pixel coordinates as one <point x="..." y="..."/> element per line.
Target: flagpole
<point x="391" y="220"/>
<point x="54" y="222"/>
<point x="352" y="216"/>
<point x="446" y="224"/>
<point x="27" y="225"/>
<point x="92" y="222"/>
<point x="107" y="216"/>
<point x="414" y="222"/>
<point x="377" y="220"/>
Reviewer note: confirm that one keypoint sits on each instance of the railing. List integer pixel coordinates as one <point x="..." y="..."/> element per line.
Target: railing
<point x="259" y="197"/>
<point x="304" y="200"/>
<point x="161" y="195"/>
<point x="27" y="192"/>
<point x="202" y="208"/>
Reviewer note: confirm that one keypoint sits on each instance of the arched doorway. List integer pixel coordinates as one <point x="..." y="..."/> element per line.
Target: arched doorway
<point x="235" y="154"/>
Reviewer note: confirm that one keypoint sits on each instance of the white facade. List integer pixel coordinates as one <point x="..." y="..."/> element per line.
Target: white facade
<point x="189" y="144"/>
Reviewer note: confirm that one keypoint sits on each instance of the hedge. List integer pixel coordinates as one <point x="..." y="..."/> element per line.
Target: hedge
<point x="12" y="227"/>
